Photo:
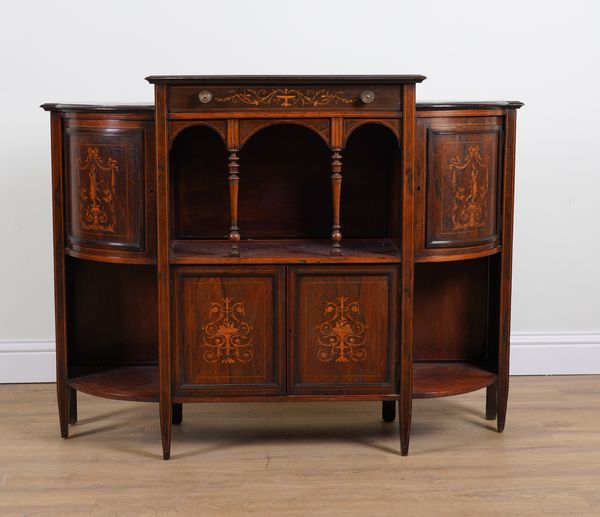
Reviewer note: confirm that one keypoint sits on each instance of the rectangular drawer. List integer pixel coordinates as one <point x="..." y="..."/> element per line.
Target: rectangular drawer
<point x="342" y="330"/>
<point x="228" y="330"/>
<point x="284" y="98"/>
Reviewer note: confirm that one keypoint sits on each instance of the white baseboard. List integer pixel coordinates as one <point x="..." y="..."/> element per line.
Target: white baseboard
<point x="27" y="361"/>
<point x="532" y="353"/>
<point x="554" y="353"/>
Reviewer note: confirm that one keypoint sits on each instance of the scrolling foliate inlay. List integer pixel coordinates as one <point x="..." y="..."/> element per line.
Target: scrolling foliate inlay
<point x="226" y="336"/>
<point x="97" y="192"/>
<point x="342" y="335"/>
<point x="285" y="97"/>
<point x="470" y="188"/>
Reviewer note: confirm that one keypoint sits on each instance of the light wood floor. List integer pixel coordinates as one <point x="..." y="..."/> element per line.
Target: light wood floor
<point x="306" y="458"/>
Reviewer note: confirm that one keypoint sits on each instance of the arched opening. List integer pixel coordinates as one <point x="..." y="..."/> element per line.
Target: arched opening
<point x="285" y="190"/>
<point x="199" y="190"/>
<point x="371" y="185"/>
<point x="285" y="184"/>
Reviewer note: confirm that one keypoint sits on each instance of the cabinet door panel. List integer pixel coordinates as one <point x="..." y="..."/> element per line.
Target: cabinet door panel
<point x="342" y="332"/>
<point x="463" y="181"/>
<point x="105" y="189"/>
<point x="228" y="330"/>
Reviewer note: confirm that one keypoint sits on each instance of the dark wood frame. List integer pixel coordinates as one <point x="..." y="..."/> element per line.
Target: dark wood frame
<point x="334" y="116"/>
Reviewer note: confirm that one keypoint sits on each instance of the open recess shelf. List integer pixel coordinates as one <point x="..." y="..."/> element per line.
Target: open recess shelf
<point x="442" y="379"/>
<point x="136" y="383"/>
<point x="300" y="251"/>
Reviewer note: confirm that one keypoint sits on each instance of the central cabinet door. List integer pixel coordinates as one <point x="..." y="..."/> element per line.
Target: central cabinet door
<point x="229" y="330"/>
<point x="342" y="329"/>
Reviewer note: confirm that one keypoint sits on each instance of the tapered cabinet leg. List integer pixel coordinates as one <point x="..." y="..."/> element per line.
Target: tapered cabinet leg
<point x="491" y="402"/>
<point x="163" y="272"/>
<point x="506" y="268"/>
<point x="502" y="403"/>
<point x="388" y="410"/>
<point x="62" y="393"/>
<point x="177" y="414"/>
<point x="405" y="418"/>
<point x="408" y="266"/>
<point x="166" y="415"/>
<point x="72" y="405"/>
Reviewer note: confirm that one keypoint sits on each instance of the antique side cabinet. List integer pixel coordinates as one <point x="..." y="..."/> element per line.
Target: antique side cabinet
<point x="272" y="238"/>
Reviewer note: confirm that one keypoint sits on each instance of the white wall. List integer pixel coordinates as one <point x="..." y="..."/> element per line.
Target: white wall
<point x="546" y="54"/>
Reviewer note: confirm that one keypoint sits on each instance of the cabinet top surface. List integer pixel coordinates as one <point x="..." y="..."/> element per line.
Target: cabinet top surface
<point x="148" y="107"/>
<point x="443" y="105"/>
<point x="285" y="79"/>
<point x="102" y="106"/>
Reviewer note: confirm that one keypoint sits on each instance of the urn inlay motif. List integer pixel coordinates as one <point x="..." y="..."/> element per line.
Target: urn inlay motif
<point x="342" y="335"/>
<point x="470" y="188"/>
<point x="98" y="191"/>
<point x="226" y="336"/>
<point x="285" y="97"/>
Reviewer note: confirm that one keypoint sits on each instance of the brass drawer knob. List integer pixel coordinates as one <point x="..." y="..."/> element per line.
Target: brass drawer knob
<point x="205" y="96"/>
<point x="367" y="97"/>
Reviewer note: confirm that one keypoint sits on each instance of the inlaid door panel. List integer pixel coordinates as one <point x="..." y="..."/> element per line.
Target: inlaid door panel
<point x="228" y="328"/>
<point x="462" y="169"/>
<point x="105" y="188"/>
<point x="342" y="336"/>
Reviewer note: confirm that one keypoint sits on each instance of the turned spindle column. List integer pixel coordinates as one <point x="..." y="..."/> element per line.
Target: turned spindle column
<point x="336" y="189"/>
<point x="234" y="180"/>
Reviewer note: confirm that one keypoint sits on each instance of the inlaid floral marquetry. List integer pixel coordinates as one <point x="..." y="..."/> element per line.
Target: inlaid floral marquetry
<point x="105" y="190"/>
<point x="98" y="190"/>
<point x="462" y="186"/>
<point x="342" y="335"/>
<point x="470" y="187"/>
<point x="285" y="97"/>
<point x="227" y="337"/>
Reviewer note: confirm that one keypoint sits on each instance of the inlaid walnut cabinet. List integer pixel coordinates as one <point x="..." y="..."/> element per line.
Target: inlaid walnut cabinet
<point x="279" y="238"/>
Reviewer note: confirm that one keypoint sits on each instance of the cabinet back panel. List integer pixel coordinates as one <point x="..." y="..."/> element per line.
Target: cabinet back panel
<point x="285" y="190"/>
<point x="450" y="312"/>
<point x="371" y="185"/>
<point x="200" y="196"/>
<point x="111" y="314"/>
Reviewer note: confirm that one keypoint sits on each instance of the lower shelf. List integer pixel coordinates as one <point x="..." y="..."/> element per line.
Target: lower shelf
<point x="446" y="379"/>
<point x="140" y="383"/>
<point x="136" y="383"/>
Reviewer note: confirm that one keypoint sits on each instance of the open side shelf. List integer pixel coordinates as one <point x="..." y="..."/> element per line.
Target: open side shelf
<point x="439" y="379"/>
<point x="301" y="251"/>
<point x="136" y="383"/>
